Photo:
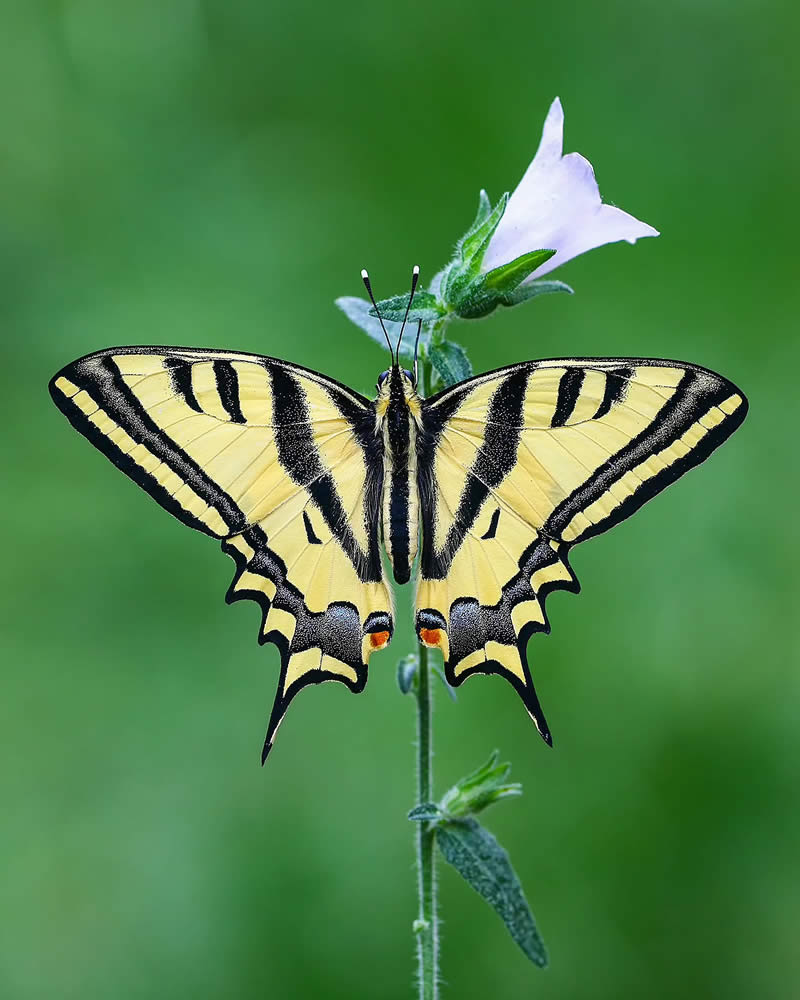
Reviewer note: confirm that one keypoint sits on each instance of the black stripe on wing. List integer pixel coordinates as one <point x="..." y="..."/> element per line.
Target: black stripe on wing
<point x="180" y="372"/>
<point x="228" y="389"/>
<point x="616" y="385"/>
<point x="696" y="393"/>
<point x="301" y="460"/>
<point x="569" y="389"/>
<point x="495" y="458"/>
<point x="99" y="376"/>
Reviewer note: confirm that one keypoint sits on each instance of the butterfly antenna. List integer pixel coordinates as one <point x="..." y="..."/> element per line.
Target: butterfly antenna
<point x="414" y="280"/>
<point x="416" y="345"/>
<point x="368" y="286"/>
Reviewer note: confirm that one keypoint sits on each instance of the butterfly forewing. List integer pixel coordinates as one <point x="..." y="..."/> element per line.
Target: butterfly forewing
<point x="518" y="465"/>
<point x="279" y="462"/>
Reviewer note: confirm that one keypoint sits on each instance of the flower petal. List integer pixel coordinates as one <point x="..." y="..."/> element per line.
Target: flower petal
<point x="557" y="206"/>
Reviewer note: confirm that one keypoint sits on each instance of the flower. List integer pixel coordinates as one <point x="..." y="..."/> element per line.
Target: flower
<point x="557" y="205"/>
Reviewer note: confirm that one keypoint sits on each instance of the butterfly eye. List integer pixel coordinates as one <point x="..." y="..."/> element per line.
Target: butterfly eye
<point x="409" y="375"/>
<point x="382" y="378"/>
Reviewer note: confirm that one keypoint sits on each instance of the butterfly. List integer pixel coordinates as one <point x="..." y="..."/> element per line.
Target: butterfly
<point x="486" y="486"/>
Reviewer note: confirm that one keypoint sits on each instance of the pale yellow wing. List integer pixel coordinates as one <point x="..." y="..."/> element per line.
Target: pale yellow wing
<point x="279" y="462"/>
<point x="517" y="466"/>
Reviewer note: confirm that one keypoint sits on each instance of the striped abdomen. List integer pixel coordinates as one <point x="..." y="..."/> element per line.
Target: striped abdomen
<point x="400" y="498"/>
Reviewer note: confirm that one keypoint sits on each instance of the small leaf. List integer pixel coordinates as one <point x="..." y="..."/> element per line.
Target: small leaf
<point x="425" y="813"/>
<point x="425" y="307"/>
<point x="507" y="277"/>
<point x="483" y="787"/>
<point x="358" y="312"/>
<point x="533" y="288"/>
<point x="407" y="673"/>
<point x="450" y="362"/>
<point x="491" y="769"/>
<point x="481" y="861"/>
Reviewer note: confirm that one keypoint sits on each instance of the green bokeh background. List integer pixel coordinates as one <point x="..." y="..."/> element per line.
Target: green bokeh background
<point x="216" y="173"/>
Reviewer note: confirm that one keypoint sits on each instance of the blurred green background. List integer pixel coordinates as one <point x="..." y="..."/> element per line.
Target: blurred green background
<point x="216" y="173"/>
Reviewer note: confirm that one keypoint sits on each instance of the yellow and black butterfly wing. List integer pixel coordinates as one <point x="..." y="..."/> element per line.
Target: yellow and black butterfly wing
<point x="279" y="462"/>
<point x="517" y="466"/>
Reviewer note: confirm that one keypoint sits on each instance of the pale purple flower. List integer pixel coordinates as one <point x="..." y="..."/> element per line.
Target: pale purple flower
<point x="557" y="206"/>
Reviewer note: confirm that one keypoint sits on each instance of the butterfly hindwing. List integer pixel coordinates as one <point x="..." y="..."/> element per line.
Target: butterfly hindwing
<point x="280" y="463"/>
<point x="517" y="466"/>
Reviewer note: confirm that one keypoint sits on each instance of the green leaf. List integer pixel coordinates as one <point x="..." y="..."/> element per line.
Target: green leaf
<point x="473" y="245"/>
<point x="425" y="308"/>
<point x="358" y="311"/>
<point x="507" y="277"/>
<point x="425" y="813"/>
<point x="481" y="861"/>
<point x="533" y="288"/>
<point x="407" y="673"/>
<point x="482" y="788"/>
<point x="450" y="362"/>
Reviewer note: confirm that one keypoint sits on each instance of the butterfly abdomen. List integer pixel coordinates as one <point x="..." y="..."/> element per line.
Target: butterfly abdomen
<point x="400" y="503"/>
<point x="400" y="523"/>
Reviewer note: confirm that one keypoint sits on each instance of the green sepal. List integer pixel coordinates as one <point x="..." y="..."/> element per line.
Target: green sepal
<point x="450" y="362"/>
<point x="533" y="288"/>
<point x="484" y="211"/>
<point x="425" y="813"/>
<point x="469" y="253"/>
<point x="359" y="311"/>
<point x="474" y="242"/>
<point x="506" y="278"/>
<point x="425" y="307"/>
<point x="497" y="287"/>
<point x="481" y="861"/>
<point x="472" y="247"/>
<point x="407" y="673"/>
<point x="482" y="788"/>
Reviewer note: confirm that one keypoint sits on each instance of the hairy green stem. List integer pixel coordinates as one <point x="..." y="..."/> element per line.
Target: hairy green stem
<point x="426" y="925"/>
<point x="427" y="922"/>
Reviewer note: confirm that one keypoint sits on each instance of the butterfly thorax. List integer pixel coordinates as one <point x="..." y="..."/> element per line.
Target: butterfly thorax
<point x="397" y="412"/>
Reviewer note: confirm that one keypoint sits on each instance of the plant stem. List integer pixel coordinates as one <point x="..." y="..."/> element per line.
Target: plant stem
<point x="426" y="925"/>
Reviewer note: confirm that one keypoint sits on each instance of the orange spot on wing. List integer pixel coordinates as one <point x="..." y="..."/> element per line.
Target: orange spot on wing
<point x="430" y="636"/>
<point x="378" y="639"/>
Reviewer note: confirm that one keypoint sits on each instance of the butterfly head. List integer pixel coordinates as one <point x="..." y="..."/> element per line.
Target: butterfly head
<point x="384" y="383"/>
<point x="397" y="391"/>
